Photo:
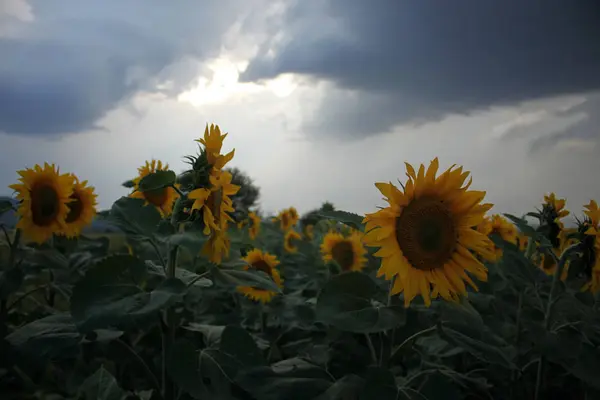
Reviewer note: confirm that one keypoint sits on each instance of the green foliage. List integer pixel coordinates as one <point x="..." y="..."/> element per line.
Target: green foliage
<point x="157" y="180"/>
<point x="143" y="314"/>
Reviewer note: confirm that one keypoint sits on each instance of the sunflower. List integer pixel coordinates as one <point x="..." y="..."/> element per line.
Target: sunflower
<point x="557" y="205"/>
<point x="309" y="231"/>
<point x="285" y="220"/>
<point x="426" y="237"/>
<point x="288" y="242"/>
<point x="293" y="214"/>
<point x="267" y="263"/>
<point x="44" y="194"/>
<point x="82" y="208"/>
<point x="254" y="227"/>
<point x="347" y="252"/>
<point x="163" y="199"/>
<point x="592" y="212"/>
<point x="213" y="142"/>
<point x="500" y="226"/>
<point x="522" y="241"/>
<point x="216" y="204"/>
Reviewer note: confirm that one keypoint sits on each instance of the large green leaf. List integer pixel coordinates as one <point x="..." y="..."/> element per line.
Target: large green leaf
<point x="101" y="386"/>
<point x="347" y="302"/>
<point x="237" y="343"/>
<point x="187" y="277"/>
<point x="291" y="379"/>
<point x="10" y="281"/>
<point x="346" y="218"/>
<point x="379" y="384"/>
<point x="342" y="389"/>
<point x="212" y="333"/>
<point x="528" y="230"/>
<point x="134" y="217"/>
<point x="236" y="277"/>
<point x="51" y="337"/>
<point x="107" y="297"/>
<point x="481" y="350"/>
<point x="157" y="180"/>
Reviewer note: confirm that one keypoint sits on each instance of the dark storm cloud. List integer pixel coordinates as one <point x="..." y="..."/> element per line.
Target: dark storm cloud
<point x="425" y="59"/>
<point x="78" y="59"/>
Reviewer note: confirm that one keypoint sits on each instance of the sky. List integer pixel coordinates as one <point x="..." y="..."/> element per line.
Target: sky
<point x="320" y="99"/>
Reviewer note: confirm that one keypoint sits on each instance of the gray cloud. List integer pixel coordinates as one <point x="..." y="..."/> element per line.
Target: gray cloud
<point x="77" y="60"/>
<point x="403" y="62"/>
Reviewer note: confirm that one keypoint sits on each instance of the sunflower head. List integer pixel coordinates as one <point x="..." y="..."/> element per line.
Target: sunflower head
<point x="213" y="142"/>
<point x="592" y="213"/>
<point x="163" y="199"/>
<point x="289" y="241"/>
<point x="347" y="252"/>
<point x="254" y="227"/>
<point x="293" y="214"/>
<point x="309" y="231"/>
<point x="82" y="208"/>
<point x="522" y="241"/>
<point x="267" y="263"/>
<point x="587" y="263"/>
<point x="285" y="220"/>
<point x="44" y="194"/>
<point x="426" y="237"/>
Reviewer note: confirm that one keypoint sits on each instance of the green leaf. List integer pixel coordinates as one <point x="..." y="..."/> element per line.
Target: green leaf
<point x="291" y="379"/>
<point x="5" y="205"/>
<point x="480" y="350"/>
<point x="105" y="299"/>
<point x="236" y="277"/>
<point x="237" y="343"/>
<point x="10" y="281"/>
<point x="130" y="184"/>
<point x="528" y="230"/>
<point x="101" y="386"/>
<point x="346" y="302"/>
<point x="183" y="366"/>
<point x="342" y="389"/>
<point x="379" y="384"/>
<point x="133" y="217"/>
<point x="439" y="387"/>
<point x="212" y="333"/>
<point x="346" y="218"/>
<point x="51" y="337"/>
<point x="187" y="277"/>
<point x="157" y="181"/>
<point x="587" y="366"/>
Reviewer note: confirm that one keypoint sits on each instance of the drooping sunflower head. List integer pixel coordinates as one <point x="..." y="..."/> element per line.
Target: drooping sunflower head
<point x="293" y="214"/>
<point x="499" y="226"/>
<point x="426" y="237"/>
<point x="347" y="252"/>
<point x="587" y="263"/>
<point x="44" y="194"/>
<point x="592" y="212"/>
<point x="82" y="208"/>
<point x="285" y="220"/>
<point x="217" y="247"/>
<point x="267" y="263"/>
<point x="309" y="231"/>
<point x="254" y="228"/>
<point x="522" y="241"/>
<point x="163" y="199"/>
<point x="289" y="241"/>
<point x="213" y="142"/>
<point x="551" y="226"/>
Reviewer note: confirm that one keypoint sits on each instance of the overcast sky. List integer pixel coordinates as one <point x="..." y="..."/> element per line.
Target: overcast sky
<point x="320" y="98"/>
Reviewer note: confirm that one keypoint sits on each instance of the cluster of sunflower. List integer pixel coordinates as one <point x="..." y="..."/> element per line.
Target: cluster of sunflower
<point x="288" y="219"/>
<point x="51" y="203"/>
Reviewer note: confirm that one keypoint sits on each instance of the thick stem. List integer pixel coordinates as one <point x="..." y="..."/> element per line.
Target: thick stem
<point x="371" y="349"/>
<point x="514" y="375"/>
<point x="390" y="336"/>
<point x="548" y="315"/>
<point x="168" y="330"/>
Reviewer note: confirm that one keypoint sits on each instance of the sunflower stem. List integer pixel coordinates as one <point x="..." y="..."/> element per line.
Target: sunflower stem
<point x="12" y="263"/>
<point x="517" y="340"/>
<point x="549" y="307"/>
<point x="371" y="349"/>
<point x="391" y="334"/>
<point x="179" y="192"/>
<point x="411" y="338"/>
<point x="168" y="330"/>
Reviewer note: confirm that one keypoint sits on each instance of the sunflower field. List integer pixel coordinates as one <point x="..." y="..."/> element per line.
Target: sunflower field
<point x="431" y="296"/>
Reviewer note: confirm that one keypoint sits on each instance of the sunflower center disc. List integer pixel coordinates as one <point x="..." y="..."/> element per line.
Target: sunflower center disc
<point x="262" y="265"/>
<point x="426" y="233"/>
<point x="75" y="209"/>
<point x="156" y="197"/>
<point x="343" y="254"/>
<point x="44" y="205"/>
